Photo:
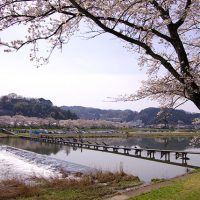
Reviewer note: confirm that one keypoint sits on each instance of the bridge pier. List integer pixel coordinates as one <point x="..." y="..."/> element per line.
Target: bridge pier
<point x="115" y="149"/>
<point x="96" y="147"/>
<point x="166" y="154"/>
<point x="183" y="156"/>
<point x="138" y="152"/>
<point x="151" y="153"/>
<point x="126" y="150"/>
<point x="105" y="148"/>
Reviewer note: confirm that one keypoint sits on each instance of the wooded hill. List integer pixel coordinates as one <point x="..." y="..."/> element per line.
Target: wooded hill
<point x="148" y="116"/>
<point x="96" y="113"/>
<point x="13" y="104"/>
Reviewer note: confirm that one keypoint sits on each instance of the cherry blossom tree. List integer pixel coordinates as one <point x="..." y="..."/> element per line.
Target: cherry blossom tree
<point x="196" y="122"/>
<point x="165" y="33"/>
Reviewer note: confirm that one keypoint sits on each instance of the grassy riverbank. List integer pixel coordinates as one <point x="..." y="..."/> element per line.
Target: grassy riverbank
<point x="150" y="132"/>
<point x="163" y="134"/>
<point x="124" y="135"/>
<point x="2" y="135"/>
<point x="87" y="187"/>
<point x="102" y="186"/>
<point x="115" y="133"/>
<point x="182" y="188"/>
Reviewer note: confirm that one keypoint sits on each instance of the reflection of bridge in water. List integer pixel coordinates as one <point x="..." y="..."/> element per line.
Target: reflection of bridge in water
<point x="163" y="156"/>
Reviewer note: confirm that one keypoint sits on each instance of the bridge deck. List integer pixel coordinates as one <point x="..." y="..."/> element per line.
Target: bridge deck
<point x="144" y="153"/>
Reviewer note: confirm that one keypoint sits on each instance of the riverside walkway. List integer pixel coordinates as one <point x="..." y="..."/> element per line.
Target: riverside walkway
<point x="174" y="157"/>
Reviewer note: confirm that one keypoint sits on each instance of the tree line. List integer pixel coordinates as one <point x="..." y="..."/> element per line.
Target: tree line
<point x="148" y="116"/>
<point x="13" y="104"/>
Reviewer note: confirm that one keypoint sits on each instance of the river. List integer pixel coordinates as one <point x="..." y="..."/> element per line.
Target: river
<point x="144" y="169"/>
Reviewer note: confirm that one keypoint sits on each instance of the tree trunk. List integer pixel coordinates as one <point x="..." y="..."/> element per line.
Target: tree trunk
<point x="195" y="98"/>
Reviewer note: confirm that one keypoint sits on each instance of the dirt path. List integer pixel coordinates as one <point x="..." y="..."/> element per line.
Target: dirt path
<point x="139" y="190"/>
<point x="146" y="188"/>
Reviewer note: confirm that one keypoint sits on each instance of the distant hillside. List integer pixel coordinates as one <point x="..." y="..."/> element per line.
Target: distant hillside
<point x="95" y="113"/>
<point x="13" y="104"/>
<point x="148" y="116"/>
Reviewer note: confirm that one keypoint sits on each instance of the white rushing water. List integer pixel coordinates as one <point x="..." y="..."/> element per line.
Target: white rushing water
<point x="13" y="167"/>
<point x="22" y="164"/>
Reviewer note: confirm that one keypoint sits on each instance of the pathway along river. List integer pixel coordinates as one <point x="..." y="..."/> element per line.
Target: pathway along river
<point x="144" y="169"/>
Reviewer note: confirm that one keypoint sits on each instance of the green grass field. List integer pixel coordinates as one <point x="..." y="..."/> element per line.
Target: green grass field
<point x="187" y="188"/>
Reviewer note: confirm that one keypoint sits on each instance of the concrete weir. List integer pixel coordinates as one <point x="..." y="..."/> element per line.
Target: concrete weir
<point x="46" y="161"/>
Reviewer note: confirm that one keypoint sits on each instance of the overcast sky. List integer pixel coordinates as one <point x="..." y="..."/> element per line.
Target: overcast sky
<point x="85" y="73"/>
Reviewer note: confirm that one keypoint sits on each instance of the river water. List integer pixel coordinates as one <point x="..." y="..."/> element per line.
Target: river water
<point x="144" y="169"/>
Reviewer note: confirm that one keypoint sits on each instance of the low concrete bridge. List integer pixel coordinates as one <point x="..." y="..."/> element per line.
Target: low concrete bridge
<point x="143" y="153"/>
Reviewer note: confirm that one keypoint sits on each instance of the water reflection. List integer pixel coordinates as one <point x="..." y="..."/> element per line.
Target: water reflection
<point x="146" y="170"/>
<point x="37" y="147"/>
<point x="178" y="143"/>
